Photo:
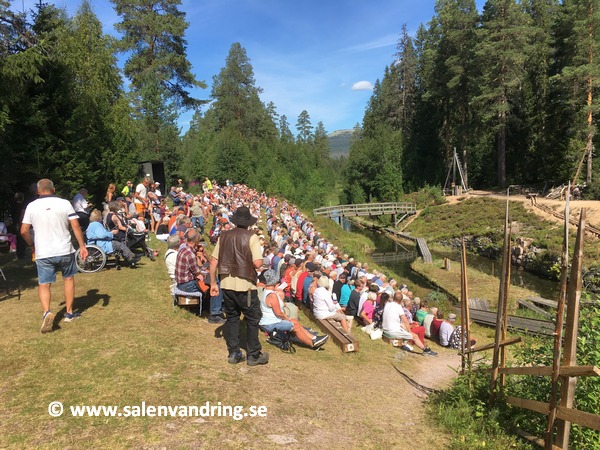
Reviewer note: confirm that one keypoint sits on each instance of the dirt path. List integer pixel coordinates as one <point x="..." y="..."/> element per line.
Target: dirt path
<point x="592" y="206"/>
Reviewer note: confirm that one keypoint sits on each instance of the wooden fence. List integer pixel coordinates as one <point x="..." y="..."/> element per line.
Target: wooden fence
<point x="564" y="370"/>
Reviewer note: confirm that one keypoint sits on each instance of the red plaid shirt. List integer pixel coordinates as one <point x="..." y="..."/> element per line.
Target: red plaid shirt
<point x="186" y="267"/>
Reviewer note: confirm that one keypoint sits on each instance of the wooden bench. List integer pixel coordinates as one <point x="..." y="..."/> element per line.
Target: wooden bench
<point x="394" y="342"/>
<point x="346" y="342"/>
<point x="192" y="300"/>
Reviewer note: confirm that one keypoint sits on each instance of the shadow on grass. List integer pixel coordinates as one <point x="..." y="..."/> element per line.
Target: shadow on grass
<point x="21" y="274"/>
<point x="80" y="304"/>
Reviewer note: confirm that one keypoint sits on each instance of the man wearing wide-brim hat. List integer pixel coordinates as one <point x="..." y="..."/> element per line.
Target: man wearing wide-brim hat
<point x="236" y="257"/>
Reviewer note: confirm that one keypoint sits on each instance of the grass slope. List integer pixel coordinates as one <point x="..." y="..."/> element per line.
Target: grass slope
<point x="485" y="216"/>
<point x="481" y="285"/>
<point x="131" y="346"/>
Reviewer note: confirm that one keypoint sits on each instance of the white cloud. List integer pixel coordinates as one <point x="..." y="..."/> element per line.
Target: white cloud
<point x="362" y="86"/>
<point x="384" y="41"/>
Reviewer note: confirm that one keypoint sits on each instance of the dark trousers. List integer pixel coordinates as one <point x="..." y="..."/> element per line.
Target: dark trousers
<point x="234" y="304"/>
<point x="84" y="221"/>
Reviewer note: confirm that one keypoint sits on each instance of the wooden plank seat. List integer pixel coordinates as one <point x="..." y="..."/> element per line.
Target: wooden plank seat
<point x="346" y="342"/>
<point x="192" y="300"/>
<point x="393" y="341"/>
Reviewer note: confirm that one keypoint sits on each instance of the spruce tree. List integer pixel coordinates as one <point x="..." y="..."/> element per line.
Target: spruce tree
<point x="304" y="127"/>
<point x="321" y="143"/>
<point x="542" y="155"/>
<point x="236" y="98"/>
<point x="153" y="33"/>
<point x="455" y="69"/>
<point x="285" y="134"/>
<point x="406" y="66"/>
<point x="160" y="73"/>
<point x="504" y="43"/>
<point x="581" y="73"/>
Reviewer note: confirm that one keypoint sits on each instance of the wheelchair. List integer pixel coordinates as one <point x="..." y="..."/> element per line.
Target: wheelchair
<point x="97" y="260"/>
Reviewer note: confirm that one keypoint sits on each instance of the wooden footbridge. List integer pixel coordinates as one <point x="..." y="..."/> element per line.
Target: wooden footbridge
<point x="396" y="209"/>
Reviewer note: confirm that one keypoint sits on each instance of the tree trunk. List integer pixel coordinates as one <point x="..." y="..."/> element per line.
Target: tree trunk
<point x="502" y="147"/>
<point x="590" y="139"/>
<point x="447" y="143"/>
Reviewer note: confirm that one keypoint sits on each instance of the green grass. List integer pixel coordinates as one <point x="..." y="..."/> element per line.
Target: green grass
<point x="481" y="285"/>
<point x="462" y="411"/>
<point x="485" y="217"/>
<point x="132" y="346"/>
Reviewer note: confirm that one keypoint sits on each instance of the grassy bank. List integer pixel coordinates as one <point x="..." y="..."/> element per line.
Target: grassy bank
<point x="481" y="285"/>
<point x="485" y="217"/>
<point x="130" y="346"/>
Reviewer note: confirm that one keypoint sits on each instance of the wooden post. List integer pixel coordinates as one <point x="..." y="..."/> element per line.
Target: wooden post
<point x="463" y="309"/>
<point x="447" y="264"/>
<point x="567" y="386"/>
<point x="500" y="312"/>
<point x="466" y="314"/>
<point x="560" y="307"/>
<point x="504" y="329"/>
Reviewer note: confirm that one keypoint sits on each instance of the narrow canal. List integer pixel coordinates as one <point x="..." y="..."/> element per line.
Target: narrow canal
<point x="385" y="245"/>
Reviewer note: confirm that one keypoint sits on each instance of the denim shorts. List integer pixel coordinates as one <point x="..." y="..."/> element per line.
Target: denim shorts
<point x="47" y="268"/>
<point x="284" y="325"/>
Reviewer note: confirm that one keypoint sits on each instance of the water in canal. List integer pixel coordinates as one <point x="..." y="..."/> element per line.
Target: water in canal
<point x="383" y="244"/>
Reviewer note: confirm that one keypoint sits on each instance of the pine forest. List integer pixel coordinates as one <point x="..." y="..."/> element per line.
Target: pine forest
<point x="511" y="89"/>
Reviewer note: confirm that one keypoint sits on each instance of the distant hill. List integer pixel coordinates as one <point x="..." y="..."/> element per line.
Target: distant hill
<point x="340" y="142"/>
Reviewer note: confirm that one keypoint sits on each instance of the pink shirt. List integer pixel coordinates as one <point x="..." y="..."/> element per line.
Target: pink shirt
<point x="368" y="309"/>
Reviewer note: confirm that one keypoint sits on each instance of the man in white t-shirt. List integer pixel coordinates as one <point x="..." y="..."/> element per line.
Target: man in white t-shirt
<point x="395" y="325"/>
<point x="157" y="191"/>
<point x="82" y="208"/>
<point x="140" y="197"/>
<point x="173" y="243"/>
<point x="50" y="216"/>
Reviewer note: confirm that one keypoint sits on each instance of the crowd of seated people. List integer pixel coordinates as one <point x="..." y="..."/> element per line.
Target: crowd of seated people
<point x="124" y="223"/>
<point x="310" y="270"/>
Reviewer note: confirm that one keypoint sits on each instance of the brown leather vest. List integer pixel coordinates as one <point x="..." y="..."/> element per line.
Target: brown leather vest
<point x="235" y="257"/>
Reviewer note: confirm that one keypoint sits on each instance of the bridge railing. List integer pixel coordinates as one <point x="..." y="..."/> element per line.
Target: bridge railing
<point x="366" y="209"/>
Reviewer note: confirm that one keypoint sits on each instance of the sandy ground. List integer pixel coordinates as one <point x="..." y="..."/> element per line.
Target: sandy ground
<point x="592" y="206"/>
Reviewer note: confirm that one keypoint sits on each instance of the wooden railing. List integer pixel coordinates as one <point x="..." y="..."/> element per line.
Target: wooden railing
<point x="366" y="209"/>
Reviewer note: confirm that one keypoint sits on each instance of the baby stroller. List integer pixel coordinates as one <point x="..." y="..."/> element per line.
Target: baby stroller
<point x="136" y="240"/>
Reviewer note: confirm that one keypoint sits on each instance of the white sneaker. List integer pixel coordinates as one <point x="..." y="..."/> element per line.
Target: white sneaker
<point x="47" y="322"/>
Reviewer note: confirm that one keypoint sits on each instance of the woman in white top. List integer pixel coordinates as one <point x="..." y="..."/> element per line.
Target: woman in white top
<point x="324" y="306"/>
<point x="274" y="317"/>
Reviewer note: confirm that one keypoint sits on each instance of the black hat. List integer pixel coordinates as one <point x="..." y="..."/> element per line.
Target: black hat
<point x="242" y="217"/>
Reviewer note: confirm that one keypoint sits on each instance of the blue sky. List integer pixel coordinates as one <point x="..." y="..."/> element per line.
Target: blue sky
<point x="316" y="55"/>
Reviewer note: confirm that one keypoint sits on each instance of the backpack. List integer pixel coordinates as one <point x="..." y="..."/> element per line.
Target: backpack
<point x="281" y="339"/>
